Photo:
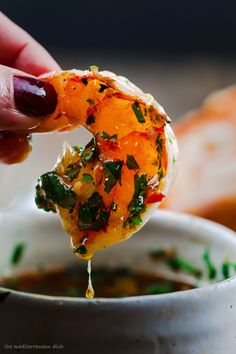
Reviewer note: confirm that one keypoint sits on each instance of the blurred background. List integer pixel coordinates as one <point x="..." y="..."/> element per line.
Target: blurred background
<point x="180" y="51"/>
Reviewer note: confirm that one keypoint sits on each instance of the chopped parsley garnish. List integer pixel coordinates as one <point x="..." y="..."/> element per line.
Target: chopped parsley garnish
<point x="85" y="81"/>
<point x="90" y="151"/>
<point x="212" y="272"/>
<point x="93" y="214"/>
<point x="90" y="119"/>
<point x="178" y="263"/>
<point x="138" y="113"/>
<point x="225" y="268"/>
<point x="17" y="253"/>
<point x="56" y="191"/>
<point x="90" y="101"/>
<point x="87" y="178"/>
<point x="137" y="205"/>
<point x="114" y="206"/>
<point x="164" y="288"/>
<point x="73" y="171"/>
<point x="102" y="88"/>
<point x="159" y="143"/>
<point x="160" y="174"/>
<point x="78" y="148"/>
<point x="42" y="202"/>
<point x="131" y="163"/>
<point x="81" y="250"/>
<point x="104" y="135"/>
<point x="112" y="170"/>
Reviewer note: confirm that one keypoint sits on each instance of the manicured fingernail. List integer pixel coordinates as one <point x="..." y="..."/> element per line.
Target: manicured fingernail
<point x="34" y="97"/>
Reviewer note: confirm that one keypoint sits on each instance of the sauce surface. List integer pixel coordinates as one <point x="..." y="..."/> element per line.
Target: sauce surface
<point x="109" y="283"/>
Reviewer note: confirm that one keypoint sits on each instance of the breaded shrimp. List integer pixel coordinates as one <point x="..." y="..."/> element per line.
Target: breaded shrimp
<point x="105" y="191"/>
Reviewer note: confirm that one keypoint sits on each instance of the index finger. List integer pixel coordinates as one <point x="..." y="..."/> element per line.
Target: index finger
<point x="19" y="50"/>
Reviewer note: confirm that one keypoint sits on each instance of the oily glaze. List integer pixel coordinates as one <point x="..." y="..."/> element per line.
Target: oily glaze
<point x="109" y="186"/>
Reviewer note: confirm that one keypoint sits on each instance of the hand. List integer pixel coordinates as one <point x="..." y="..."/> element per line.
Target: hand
<point x="23" y="98"/>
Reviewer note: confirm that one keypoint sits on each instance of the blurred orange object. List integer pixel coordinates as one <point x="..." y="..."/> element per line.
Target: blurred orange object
<point x="206" y="179"/>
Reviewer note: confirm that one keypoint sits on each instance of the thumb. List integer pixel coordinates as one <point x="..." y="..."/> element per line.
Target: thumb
<point x="24" y="99"/>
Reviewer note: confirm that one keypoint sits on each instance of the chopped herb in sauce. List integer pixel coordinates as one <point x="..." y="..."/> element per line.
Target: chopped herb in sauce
<point x="81" y="250"/>
<point x="112" y="170"/>
<point x="212" y="272"/>
<point x="159" y="143"/>
<point x="85" y="81"/>
<point x="131" y="163"/>
<point x="93" y="214"/>
<point x="137" y="205"/>
<point x="42" y="202"/>
<point x="178" y="263"/>
<point x="90" y="119"/>
<point x="72" y="172"/>
<point x="104" y="135"/>
<point x="90" y="151"/>
<point x="138" y="113"/>
<point x="225" y="268"/>
<point x="103" y="88"/>
<point x="90" y="101"/>
<point x="174" y="261"/>
<point x="87" y="178"/>
<point x="78" y="148"/>
<point x="56" y="191"/>
<point x="164" y="288"/>
<point x="17" y="253"/>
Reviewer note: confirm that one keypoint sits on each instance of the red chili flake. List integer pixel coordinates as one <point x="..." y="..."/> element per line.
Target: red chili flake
<point x="154" y="198"/>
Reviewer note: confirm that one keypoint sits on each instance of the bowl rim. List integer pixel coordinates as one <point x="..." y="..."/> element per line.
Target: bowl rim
<point x="181" y="219"/>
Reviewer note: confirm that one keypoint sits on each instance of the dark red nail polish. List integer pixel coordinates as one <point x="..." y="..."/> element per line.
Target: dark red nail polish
<point x="34" y="97"/>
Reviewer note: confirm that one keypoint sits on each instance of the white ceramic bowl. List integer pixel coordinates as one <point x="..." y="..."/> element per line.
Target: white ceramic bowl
<point x="190" y="322"/>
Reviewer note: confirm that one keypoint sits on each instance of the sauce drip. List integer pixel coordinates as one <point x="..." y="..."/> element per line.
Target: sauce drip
<point x="90" y="291"/>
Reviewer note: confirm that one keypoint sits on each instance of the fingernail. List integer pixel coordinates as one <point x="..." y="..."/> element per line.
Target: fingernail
<point x="34" y="97"/>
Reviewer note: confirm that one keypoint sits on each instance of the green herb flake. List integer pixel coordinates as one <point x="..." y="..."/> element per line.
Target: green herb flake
<point x="177" y="263"/>
<point x="138" y="113"/>
<point x="17" y="253"/>
<point x="78" y="148"/>
<point x="160" y="288"/>
<point x="103" y="88"/>
<point x="212" y="272"/>
<point x="104" y="135"/>
<point x="73" y="171"/>
<point x="159" y="143"/>
<point x="93" y="214"/>
<point x="56" y="191"/>
<point x="112" y="170"/>
<point x="90" y="101"/>
<point x="137" y="204"/>
<point x="4" y="295"/>
<point x="87" y="178"/>
<point x="131" y="163"/>
<point x="90" y="151"/>
<point x="42" y="202"/>
<point x="81" y="250"/>
<point x="225" y="269"/>
<point x="90" y="119"/>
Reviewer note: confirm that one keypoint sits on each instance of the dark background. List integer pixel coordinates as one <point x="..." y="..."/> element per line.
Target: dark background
<point x="167" y="26"/>
<point x="179" y="50"/>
